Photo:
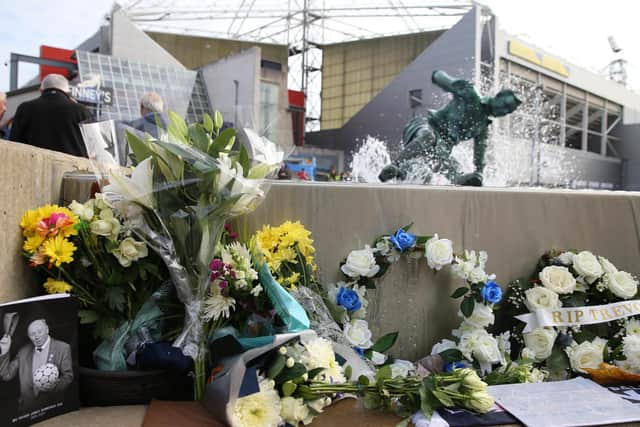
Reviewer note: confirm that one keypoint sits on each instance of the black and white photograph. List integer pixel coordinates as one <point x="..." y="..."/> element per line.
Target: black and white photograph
<point x="38" y="360"/>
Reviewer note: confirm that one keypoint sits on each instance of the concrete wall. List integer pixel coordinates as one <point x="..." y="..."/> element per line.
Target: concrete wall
<point x="388" y="112"/>
<point x="29" y="177"/>
<point x="129" y="42"/>
<point x="219" y="78"/>
<point x="194" y="52"/>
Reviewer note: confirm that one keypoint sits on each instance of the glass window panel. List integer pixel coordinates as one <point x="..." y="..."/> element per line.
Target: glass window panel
<point x="573" y="138"/>
<point x="595" y="119"/>
<point x="594" y="142"/>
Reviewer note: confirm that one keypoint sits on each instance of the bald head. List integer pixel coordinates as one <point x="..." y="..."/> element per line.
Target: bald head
<point x="55" y="81"/>
<point x="151" y="102"/>
<point x="38" y="332"/>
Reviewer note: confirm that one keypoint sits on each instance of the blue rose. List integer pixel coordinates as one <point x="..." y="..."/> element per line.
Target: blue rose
<point x="450" y="367"/>
<point x="403" y="240"/>
<point x="491" y="292"/>
<point x="349" y="299"/>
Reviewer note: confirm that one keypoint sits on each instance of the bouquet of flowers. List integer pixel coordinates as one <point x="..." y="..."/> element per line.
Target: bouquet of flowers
<point x="89" y="251"/>
<point x="296" y="381"/>
<point x="185" y="186"/>
<point x="573" y="314"/>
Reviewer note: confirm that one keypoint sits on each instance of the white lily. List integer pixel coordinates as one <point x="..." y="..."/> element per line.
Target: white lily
<point x="264" y="151"/>
<point x="137" y="188"/>
<point x="252" y="193"/>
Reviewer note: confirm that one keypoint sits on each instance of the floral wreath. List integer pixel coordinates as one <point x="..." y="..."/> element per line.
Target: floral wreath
<point x="574" y="279"/>
<point x="364" y="267"/>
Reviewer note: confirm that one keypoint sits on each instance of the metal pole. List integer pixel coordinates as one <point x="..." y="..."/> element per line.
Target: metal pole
<point x="13" y="84"/>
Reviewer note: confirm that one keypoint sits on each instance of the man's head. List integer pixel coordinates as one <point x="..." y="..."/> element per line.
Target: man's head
<point x="38" y="332"/>
<point x="151" y="102"/>
<point x="55" y="81"/>
<point x="503" y="103"/>
<point x="3" y="104"/>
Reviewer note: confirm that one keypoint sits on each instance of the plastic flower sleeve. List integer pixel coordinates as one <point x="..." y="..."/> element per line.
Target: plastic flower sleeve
<point x="185" y="186"/>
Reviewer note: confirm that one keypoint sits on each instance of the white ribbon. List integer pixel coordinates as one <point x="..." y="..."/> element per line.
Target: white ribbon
<point x="571" y="316"/>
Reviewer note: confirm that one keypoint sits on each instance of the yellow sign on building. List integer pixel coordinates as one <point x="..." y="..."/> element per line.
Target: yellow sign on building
<point x="540" y="59"/>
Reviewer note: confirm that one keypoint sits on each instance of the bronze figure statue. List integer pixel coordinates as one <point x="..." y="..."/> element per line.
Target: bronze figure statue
<point x="465" y="117"/>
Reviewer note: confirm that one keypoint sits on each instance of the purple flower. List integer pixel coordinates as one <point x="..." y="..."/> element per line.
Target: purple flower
<point x="491" y="292"/>
<point x="223" y="284"/>
<point x="403" y="240"/>
<point x="349" y="299"/>
<point x="216" y="264"/>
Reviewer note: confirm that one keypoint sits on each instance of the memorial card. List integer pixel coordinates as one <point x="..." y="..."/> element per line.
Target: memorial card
<point x="38" y="359"/>
<point x="576" y="402"/>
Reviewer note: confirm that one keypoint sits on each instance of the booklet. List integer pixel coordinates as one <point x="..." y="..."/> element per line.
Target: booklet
<point x="576" y="402"/>
<point x="38" y="359"/>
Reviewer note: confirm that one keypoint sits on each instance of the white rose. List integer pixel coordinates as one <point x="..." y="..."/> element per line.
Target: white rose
<point x="107" y="225"/>
<point x="540" y="341"/>
<point x="130" y="250"/>
<point x="527" y="354"/>
<point x="401" y="368"/>
<point x="478" y="275"/>
<point x="622" y="284"/>
<point x="566" y="258"/>
<point x="439" y="252"/>
<point x="558" y="279"/>
<point x="83" y="211"/>
<point x="586" y="354"/>
<point x="485" y="347"/>
<point x="443" y="345"/>
<point x="361" y="263"/>
<point x="481" y="317"/>
<point x="293" y="410"/>
<point x="541" y="297"/>
<point x="607" y="266"/>
<point x="378" y="358"/>
<point x="358" y="333"/>
<point x="631" y="350"/>
<point x="586" y="264"/>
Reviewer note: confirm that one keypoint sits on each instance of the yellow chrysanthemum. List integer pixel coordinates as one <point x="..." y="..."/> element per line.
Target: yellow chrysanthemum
<point x="29" y="221"/>
<point x="293" y="279"/>
<point x="32" y="243"/>
<point x="57" y="286"/>
<point x="59" y="250"/>
<point x="286" y="255"/>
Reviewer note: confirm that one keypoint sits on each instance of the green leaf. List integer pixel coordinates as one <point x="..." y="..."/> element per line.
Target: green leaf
<point x="289" y="374"/>
<point x="422" y="240"/>
<point x="288" y="388"/>
<point x="244" y="161"/>
<point x="459" y="292"/>
<point x="407" y="227"/>
<point x="314" y="372"/>
<point x="385" y="342"/>
<point x="139" y="147"/>
<point x="87" y="316"/>
<point x="363" y="380"/>
<point x="207" y="122"/>
<point x="199" y="137"/>
<point x="195" y="158"/>
<point x="178" y="128"/>
<point x="372" y="400"/>
<point x="277" y="366"/>
<point x="348" y="371"/>
<point x="467" y="306"/>
<point x="558" y="361"/>
<point x="451" y="355"/>
<point x="223" y="142"/>
<point x="218" y="120"/>
<point x="425" y="401"/>
<point x="115" y="298"/>
<point x="384" y="373"/>
<point x="443" y="398"/>
<point x="404" y="423"/>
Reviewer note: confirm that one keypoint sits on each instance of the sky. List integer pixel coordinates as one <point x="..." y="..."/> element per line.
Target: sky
<point x="575" y="30"/>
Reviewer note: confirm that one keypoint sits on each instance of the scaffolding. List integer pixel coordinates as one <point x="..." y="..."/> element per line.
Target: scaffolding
<point x="304" y="26"/>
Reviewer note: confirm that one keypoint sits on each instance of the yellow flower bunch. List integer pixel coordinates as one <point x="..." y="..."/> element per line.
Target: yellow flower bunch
<point x="280" y="247"/>
<point x="57" y="286"/>
<point x="46" y="231"/>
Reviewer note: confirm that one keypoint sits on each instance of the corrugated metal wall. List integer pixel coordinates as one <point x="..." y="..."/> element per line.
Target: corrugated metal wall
<point x="353" y="73"/>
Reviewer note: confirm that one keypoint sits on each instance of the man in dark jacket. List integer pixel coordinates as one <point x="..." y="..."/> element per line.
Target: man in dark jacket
<point x="151" y="106"/>
<point x="52" y="120"/>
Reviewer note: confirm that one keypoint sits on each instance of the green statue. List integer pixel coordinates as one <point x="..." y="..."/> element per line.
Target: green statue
<point x="432" y="138"/>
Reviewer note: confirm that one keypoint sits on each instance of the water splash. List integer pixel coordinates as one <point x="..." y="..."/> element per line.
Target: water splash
<point x="523" y="149"/>
<point x="368" y="161"/>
